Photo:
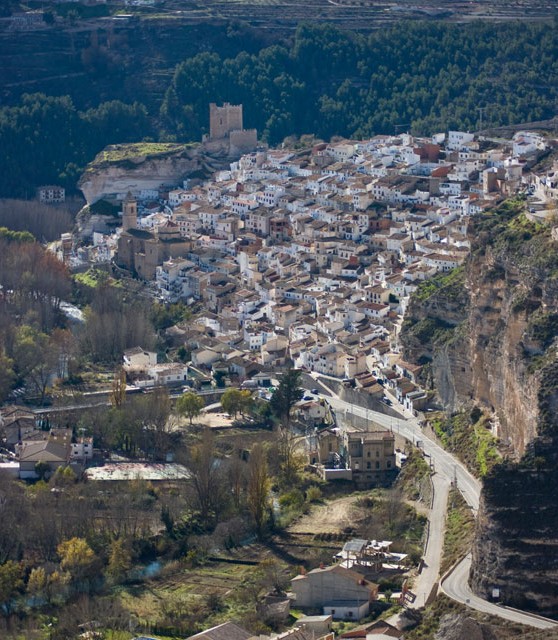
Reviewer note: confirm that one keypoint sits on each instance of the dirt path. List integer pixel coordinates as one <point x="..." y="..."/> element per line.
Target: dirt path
<point x="332" y="517"/>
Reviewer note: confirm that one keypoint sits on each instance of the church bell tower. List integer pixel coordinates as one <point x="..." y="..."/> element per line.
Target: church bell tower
<point x="129" y="213"/>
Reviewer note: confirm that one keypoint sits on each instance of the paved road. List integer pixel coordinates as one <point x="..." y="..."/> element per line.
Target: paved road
<point x="456" y="586"/>
<point x="444" y="463"/>
<point x="432" y="557"/>
<point x="447" y="469"/>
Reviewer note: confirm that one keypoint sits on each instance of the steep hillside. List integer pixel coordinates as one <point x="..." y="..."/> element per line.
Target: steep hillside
<point x="516" y="537"/>
<point x="487" y="334"/>
<point x="485" y="330"/>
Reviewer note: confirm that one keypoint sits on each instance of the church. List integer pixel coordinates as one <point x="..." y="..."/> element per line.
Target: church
<point x="140" y="251"/>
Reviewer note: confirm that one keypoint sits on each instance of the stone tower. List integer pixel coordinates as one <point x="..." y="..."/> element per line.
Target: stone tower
<point x="129" y="213"/>
<point x="223" y="120"/>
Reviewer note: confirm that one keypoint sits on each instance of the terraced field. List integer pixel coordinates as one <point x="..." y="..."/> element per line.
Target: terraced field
<point x="361" y="15"/>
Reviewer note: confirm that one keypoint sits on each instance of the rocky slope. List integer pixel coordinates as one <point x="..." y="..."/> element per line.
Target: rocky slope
<point x="487" y="335"/>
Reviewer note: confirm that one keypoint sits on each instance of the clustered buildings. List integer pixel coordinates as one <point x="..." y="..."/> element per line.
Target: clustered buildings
<point x="311" y="256"/>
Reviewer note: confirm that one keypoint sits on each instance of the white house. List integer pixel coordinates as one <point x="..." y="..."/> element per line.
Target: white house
<point x="139" y="359"/>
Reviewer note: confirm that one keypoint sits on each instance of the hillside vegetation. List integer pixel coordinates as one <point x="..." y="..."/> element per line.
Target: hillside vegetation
<point x="420" y="77"/>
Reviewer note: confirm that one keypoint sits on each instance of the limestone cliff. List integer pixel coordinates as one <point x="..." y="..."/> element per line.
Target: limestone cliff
<point x="487" y="335"/>
<point x="133" y="167"/>
<point x="485" y="331"/>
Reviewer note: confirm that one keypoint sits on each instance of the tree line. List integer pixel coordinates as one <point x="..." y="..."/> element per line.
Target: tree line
<point x="45" y="139"/>
<point x="421" y="77"/>
<point x="41" y="221"/>
<point x="52" y="552"/>
<point x="39" y="348"/>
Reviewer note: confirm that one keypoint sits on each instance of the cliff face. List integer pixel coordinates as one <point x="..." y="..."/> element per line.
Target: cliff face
<point x="485" y="330"/>
<point x="487" y="335"/>
<point x="132" y="167"/>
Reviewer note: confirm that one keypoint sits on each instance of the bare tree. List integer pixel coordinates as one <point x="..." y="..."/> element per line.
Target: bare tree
<point x="157" y="418"/>
<point x="237" y="473"/>
<point x="258" y="487"/>
<point x="290" y="460"/>
<point x="118" y="392"/>
<point x="207" y="478"/>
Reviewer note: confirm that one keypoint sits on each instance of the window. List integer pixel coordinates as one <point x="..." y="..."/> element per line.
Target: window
<point x="377" y="465"/>
<point x="368" y="465"/>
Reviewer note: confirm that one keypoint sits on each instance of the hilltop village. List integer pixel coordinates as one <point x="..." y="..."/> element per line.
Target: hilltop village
<point x="310" y="256"/>
<point x="292" y="268"/>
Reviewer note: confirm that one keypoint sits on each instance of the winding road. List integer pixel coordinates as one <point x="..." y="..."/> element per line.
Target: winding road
<point x="446" y="469"/>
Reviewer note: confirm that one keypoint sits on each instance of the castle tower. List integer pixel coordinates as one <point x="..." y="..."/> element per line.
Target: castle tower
<point x="223" y="120"/>
<point x="129" y="213"/>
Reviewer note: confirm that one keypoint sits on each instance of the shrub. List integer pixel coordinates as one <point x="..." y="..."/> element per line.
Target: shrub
<point x="313" y="494"/>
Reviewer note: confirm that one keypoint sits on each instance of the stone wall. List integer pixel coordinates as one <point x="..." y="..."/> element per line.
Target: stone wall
<point x="243" y="141"/>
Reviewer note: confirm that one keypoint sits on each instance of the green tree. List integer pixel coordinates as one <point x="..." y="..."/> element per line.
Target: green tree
<point x="64" y="477"/>
<point x="7" y="376"/>
<point x="120" y="559"/>
<point x="77" y="558"/>
<point x="166" y="315"/>
<point x="11" y="584"/>
<point x="56" y="584"/>
<point x="190" y="405"/>
<point x="236" y="401"/>
<point x="36" y="358"/>
<point x="286" y="395"/>
<point x="37" y="582"/>
<point x="43" y="470"/>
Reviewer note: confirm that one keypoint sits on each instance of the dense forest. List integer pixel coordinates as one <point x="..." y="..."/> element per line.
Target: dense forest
<point x="421" y="77"/>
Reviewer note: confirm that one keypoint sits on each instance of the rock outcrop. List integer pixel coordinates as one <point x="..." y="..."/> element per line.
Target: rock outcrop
<point x="133" y="167"/>
<point x="485" y="331"/>
<point x="487" y="335"/>
<point x="457" y="627"/>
